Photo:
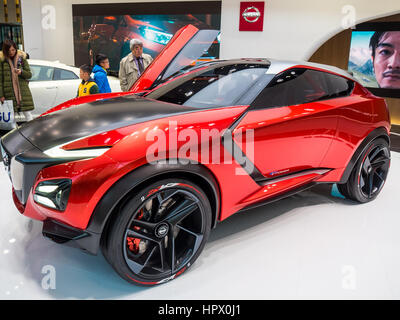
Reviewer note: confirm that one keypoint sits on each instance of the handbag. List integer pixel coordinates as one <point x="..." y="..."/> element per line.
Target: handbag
<point x="7" y="116"/>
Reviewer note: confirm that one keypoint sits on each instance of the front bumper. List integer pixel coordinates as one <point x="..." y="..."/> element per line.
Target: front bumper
<point x="72" y="237"/>
<point x="29" y="167"/>
<point x="58" y="232"/>
<point x="23" y="161"/>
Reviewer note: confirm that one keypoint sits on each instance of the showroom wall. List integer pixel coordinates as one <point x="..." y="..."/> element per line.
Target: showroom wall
<point x="295" y="29"/>
<point x="335" y="51"/>
<point x="292" y="29"/>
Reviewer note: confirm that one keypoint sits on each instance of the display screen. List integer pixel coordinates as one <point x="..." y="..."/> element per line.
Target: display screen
<point x="374" y="58"/>
<point x="110" y="34"/>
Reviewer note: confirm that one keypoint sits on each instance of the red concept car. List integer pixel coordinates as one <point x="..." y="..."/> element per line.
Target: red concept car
<point x="274" y="128"/>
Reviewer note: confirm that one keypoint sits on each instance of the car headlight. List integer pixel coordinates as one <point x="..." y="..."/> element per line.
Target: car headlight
<point x="53" y="194"/>
<point x="157" y="36"/>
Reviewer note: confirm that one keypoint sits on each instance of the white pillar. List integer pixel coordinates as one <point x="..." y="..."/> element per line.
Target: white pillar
<point x="30" y="12"/>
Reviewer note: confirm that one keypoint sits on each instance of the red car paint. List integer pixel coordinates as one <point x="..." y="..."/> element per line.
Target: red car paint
<point x="320" y="137"/>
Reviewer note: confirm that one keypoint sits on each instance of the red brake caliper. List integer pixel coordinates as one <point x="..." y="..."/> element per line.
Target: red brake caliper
<point x="133" y="243"/>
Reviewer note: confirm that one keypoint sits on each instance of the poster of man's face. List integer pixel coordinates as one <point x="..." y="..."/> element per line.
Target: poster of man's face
<point x="385" y="49"/>
<point x="375" y="58"/>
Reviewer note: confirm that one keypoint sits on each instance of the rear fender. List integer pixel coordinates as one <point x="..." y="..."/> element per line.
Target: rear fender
<point x="380" y="132"/>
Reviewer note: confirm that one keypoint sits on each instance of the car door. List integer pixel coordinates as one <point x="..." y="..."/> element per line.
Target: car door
<point x="186" y="46"/>
<point x="42" y="87"/>
<point x="67" y="83"/>
<point x="114" y="84"/>
<point x="294" y="121"/>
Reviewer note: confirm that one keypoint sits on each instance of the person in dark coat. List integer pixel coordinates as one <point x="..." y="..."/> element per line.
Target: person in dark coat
<point x="14" y="79"/>
<point x="100" y="73"/>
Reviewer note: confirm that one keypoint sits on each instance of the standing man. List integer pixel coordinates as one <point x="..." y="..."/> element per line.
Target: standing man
<point x="133" y="65"/>
<point x="385" y="49"/>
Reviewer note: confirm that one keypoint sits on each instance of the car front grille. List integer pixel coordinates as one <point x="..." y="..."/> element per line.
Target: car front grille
<point x="15" y="171"/>
<point x="6" y="158"/>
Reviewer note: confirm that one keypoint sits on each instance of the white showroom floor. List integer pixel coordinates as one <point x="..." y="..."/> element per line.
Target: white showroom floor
<point x="311" y="245"/>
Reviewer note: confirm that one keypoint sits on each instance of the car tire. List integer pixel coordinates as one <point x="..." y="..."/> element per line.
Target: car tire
<point x="159" y="232"/>
<point x="369" y="173"/>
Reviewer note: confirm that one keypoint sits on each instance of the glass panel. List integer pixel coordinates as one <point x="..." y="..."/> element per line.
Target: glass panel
<point x="298" y="86"/>
<point x="216" y="87"/>
<point x="62" y="74"/>
<point x="193" y="50"/>
<point x="41" y="73"/>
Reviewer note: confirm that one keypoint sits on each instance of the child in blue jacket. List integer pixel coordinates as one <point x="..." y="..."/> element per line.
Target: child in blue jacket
<point x="100" y="73"/>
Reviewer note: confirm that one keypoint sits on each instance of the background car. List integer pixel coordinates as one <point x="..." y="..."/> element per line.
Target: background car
<point x="53" y="83"/>
<point x="84" y="168"/>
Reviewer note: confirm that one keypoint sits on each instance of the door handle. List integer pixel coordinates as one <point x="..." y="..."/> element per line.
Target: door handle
<point x="51" y="87"/>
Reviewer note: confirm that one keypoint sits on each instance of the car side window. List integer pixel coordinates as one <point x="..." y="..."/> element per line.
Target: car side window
<point x="298" y="86"/>
<point x="41" y="73"/>
<point x="62" y="74"/>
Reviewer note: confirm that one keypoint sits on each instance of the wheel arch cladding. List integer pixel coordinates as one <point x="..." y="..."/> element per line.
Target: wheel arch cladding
<point x="123" y="189"/>
<point x="380" y="132"/>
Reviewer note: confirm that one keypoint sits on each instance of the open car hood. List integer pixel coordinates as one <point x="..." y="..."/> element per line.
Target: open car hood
<point x="187" y="45"/>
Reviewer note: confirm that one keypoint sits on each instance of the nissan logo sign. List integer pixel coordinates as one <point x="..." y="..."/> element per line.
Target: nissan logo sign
<point x="251" y="14"/>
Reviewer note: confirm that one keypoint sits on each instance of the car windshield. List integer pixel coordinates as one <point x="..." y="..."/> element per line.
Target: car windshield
<point x="217" y="86"/>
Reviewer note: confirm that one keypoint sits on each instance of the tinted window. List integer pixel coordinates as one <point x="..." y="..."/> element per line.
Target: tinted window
<point x="297" y="86"/>
<point x="215" y="87"/>
<point x="41" y="73"/>
<point x="62" y="74"/>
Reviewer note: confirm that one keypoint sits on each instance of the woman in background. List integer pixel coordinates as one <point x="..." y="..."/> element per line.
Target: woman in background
<point x="14" y="75"/>
<point x="100" y="73"/>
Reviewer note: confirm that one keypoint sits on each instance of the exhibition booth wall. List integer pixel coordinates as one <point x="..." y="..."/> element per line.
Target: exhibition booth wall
<point x="335" y="51"/>
<point x="293" y="30"/>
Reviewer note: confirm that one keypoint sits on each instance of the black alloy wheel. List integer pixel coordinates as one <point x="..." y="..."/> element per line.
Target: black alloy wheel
<point x="369" y="174"/>
<point x="160" y="232"/>
<point x="373" y="171"/>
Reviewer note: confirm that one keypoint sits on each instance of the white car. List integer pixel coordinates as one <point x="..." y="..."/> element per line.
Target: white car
<point x="53" y="83"/>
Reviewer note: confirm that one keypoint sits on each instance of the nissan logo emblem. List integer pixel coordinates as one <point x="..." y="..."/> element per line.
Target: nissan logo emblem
<point x="251" y="14"/>
<point x="162" y="230"/>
